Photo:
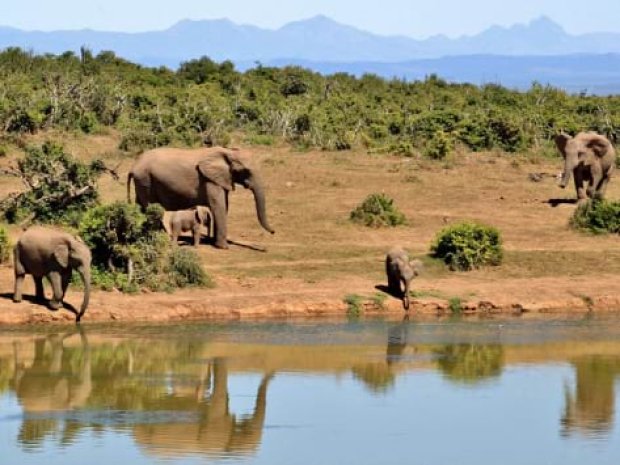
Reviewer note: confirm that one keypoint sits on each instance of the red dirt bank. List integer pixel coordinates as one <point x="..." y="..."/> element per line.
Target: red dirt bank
<point x="272" y="299"/>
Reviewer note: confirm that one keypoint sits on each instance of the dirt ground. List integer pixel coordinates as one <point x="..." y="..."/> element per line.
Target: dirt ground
<point x="317" y="257"/>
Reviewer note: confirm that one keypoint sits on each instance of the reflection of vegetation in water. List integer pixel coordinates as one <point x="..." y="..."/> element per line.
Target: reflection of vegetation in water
<point x="470" y="363"/>
<point x="5" y="374"/>
<point x="376" y="376"/>
<point x="591" y="408"/>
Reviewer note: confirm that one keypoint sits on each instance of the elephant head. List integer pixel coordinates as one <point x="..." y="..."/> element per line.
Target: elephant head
<point x="577" y="150"/>
<point x="229" y="167"/>
<point x="74" y="254"/>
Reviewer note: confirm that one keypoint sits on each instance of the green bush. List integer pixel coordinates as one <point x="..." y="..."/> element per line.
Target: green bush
<point x="467" y="246"/>
<point x="130" y="251"/>
<point x="60" y="188"/>
<point x="439" y="146"/>
<point x="597" y="216"/>
<point x="5" y="246"/>
<point x="376" y="211"/>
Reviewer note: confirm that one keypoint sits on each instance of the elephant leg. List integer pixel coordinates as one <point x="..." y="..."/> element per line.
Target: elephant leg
<point x="581" y="191"/>
<point x="56" y="280"/>
<point x="406" y="294"/>
<point x="19" y="283"/>
<point x="66" y="279"/>
<point x="196" y="232"/>
<point x="20" y="274"/>
<point x="596" y="176"/>
<point x="39" y="290"/>
<point x="602" y="188"/>
<point x="218" y="203"/>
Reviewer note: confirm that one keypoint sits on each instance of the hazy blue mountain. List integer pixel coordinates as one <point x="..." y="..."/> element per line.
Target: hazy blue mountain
<point x="314" y="39"/>
<point x="594" y="74"/>
<point x="515" y="56"/>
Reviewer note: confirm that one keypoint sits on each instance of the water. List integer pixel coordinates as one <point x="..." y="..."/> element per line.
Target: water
<point x="486" y="392"/>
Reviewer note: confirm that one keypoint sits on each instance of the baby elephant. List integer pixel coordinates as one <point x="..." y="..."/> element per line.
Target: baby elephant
<point x="189" y="220"/>
<point x="399" y="269"/>
<point x="47" y="252"/>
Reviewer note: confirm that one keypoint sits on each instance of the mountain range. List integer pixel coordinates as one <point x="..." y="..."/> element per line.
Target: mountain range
<point x="324" y="44"/>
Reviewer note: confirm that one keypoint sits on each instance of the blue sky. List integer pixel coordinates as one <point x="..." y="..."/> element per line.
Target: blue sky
<point x="415" y="18"/>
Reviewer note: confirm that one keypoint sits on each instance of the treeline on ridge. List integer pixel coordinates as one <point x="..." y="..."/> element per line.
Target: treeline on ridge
<point x="208" y="101"/>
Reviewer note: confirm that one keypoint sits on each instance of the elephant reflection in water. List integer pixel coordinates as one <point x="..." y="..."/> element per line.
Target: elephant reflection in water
<point x="591" y="409"/>
<point x="380" y="376"/>
<point x="216" y="431"/>
<point x="52" y="383"/>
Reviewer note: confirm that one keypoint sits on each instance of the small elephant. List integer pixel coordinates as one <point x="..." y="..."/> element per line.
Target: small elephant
<point x="47" y="252"/>
<point x="590" y="158"/>
<point x="181" y="221"/>
<point x="399" y="268"/>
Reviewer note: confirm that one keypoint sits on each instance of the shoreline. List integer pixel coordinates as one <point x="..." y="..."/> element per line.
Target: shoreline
<point x="153" y="308"/>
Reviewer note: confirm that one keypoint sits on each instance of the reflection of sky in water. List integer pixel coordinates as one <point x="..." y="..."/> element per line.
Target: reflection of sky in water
<point x="512" y="415"/>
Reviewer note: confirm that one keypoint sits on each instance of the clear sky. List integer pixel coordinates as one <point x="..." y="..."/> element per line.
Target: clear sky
<point x="415" y="18"/>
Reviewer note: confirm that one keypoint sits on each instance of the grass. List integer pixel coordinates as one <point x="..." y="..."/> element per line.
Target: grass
<point x="455" y="304"/>
<point x="354" y="303"/>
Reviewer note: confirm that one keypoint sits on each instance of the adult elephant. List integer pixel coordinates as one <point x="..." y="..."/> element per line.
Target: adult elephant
<point x="590" y="158"/>
<point x="179" y="179"/>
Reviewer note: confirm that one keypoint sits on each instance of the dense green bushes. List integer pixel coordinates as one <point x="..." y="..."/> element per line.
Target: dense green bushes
<point x="5" y="246"/>
<point x="597" y="216"/>
<point x="209" y="100"/>
<point x="467" y="246"/>
<point x="376" y="211"/>
<point x="130" y="251"/>
<point x="59" y="188"/>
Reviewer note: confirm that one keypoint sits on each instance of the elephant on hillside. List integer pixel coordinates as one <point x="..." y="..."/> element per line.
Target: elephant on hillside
<point x="52" y="253"/>
<point x="179" y="179"/>
<point x="400" y="269"/>
<point x="590" y="158"/>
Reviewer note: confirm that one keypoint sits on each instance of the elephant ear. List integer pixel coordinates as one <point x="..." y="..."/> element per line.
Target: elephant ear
<point x="61" y="254"/>
<point x="216" y="168"/>
<point x="599" y="145"/>
<point x="560" y="142"/>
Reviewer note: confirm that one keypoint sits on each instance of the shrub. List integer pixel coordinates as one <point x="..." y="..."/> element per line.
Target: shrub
<point x="60" y="188"/>
<point x="5" y="246"/>
<point x="354" y="304"/>
<point x="467" y="246"/>
<point x="130" y="251"/>
<point x="184" y="270"/>
<point x="439" y="146"/>
<point x="597" y="216"/>
<point x="456" y="305"/>
<point x="378" y="210"/>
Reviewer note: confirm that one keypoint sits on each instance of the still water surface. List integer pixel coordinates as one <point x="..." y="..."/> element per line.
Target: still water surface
<point x="493" y="392"/>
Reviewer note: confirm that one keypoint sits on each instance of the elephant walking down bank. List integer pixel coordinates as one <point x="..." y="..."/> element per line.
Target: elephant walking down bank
<point x="180" y="179"/>
<point x="400" y="269"/>
<point x="47" y="252"/>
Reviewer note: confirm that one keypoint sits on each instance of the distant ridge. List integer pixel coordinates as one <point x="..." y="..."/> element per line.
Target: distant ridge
<point x="315" y="39"/>
<point x="513" y="56"/>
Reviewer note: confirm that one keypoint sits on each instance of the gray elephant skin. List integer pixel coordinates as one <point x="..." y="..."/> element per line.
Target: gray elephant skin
<point x="590" y="159"/>
<point x="182" y="221"/>
<point x="180" y="179"/>
<point x="47" y="252"/>
<point x="400" y="269"/>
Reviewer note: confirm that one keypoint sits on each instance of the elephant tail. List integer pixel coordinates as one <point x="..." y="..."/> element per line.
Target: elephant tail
<point x="129" y="179"/>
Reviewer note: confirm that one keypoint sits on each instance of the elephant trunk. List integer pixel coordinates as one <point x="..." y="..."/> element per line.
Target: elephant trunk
<point x="259" y="197"/>
<point x="406" y="294"/>
<point x="569" y="166"/>
<point x="85" y="275"/>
